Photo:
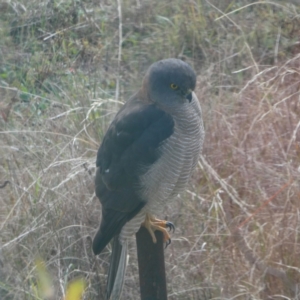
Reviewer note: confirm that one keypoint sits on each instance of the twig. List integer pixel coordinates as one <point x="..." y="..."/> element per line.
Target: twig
<point x="265" y="203"/>
<point x="250" y="256"/>
<point x="120" y="49"/>
<point x="2" y="186"/>
<point x="254" y="3"/>
<point x="89" y="18"/>
<point x="277" y="45"/>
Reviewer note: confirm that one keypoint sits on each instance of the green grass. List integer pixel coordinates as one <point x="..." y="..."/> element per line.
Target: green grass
<point x="63" y="63"/>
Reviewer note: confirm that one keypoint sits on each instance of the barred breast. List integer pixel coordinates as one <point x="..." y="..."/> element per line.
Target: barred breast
<point x="170" y="174"/>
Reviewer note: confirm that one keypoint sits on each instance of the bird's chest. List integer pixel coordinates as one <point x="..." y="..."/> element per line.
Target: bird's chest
<point x="180" y="153"/>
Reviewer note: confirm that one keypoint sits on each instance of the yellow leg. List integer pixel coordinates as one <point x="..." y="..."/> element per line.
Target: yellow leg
<point x="152" y="224"/>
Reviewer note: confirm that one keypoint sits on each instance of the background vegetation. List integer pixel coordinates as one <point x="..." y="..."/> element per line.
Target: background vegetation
<point x="65" y="69"/>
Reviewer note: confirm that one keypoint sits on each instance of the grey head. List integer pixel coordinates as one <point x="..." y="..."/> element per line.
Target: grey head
<point x="169" y="82"/>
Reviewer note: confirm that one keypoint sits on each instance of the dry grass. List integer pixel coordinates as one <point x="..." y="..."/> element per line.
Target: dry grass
<point x="252" y="152"/>
<point x="236" y="236"/>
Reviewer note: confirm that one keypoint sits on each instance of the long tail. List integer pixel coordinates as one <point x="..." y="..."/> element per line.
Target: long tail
<point x="117" y="268"/>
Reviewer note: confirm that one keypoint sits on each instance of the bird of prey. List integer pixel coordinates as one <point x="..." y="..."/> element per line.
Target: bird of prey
<point x="145" y="160"/>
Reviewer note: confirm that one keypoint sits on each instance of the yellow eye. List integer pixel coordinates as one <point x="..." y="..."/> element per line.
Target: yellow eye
<point x="173" y="86"/>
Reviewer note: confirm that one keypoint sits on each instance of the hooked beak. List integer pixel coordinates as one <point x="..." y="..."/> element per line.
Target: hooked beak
<point x="189" y="95"/>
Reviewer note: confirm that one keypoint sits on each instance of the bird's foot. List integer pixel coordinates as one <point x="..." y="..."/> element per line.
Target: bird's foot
<point x="152" y="224"/>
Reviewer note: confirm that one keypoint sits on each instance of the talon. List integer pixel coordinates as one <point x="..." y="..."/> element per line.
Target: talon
<point x="152" y="224"/>
<point x="168" y="242"/>
<point x="171" y="227"/>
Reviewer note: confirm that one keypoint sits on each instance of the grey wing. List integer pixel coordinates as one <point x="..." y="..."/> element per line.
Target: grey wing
<point x="130" y="146"/>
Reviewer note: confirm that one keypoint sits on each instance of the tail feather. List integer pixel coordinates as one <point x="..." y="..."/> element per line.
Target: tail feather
<point x="117" y="268"/>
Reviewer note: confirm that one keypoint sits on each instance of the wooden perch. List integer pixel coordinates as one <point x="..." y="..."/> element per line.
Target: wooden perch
<point x="151" y="265"/>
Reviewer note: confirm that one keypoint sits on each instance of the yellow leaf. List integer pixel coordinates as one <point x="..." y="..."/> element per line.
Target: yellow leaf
<point x="75" y="290"/>
<point x="45" y="288"/>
